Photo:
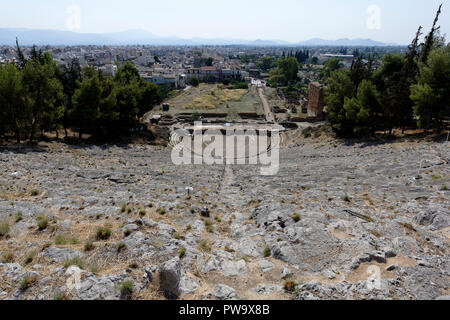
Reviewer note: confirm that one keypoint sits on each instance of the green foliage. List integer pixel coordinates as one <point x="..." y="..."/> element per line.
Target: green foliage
<point x="296" y="217"/>
<point x="75" y="261"/>
<point x="45" y="92"/>
<point x="121" y="246"/>
<point x="19" y="216"/>
<point x="127" y="289"/>
<point x="194" y="82"/>
<point x="60" y="240"/>
<point x="26" y="282"/>
<point x="240" y="85"/>
<point x="431" y="95"/>
<point x="4" y="228"/>
<point x="331" y="65"/>
<point x="267" y="63"/>
<point x="7" y="257"/>
<point x="103" y="233"/>
<point x="40" y="96"/>
<point x="361" y="101"/>
<point x="15" y="111"/>
<point x="42" y="222"/>
<point x="182" y="253"/>
<point x="285" y="73"/>
<point x="267" y="252"/>
<point x="89" y="245"/>
<point x="340" y="86"/>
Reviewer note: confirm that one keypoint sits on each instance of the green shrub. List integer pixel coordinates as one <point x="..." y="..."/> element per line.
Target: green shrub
<point x="204" y="246"/>
<point x="103" y="233"/>
<point x="60" y="240"/>
<point x="182" y="253"/>
<point x="29" y="257"/>
<point x="121" y="246"/>
<point x="346" y="198"/>
<point x="34" y="193"/>
<point x="42" y="222"/>
<point x="8" y="257"/>
<point x="60" y="296"/>
<point x="89" y="245"/>
<point x="267" y="252"/>
<point x="75" y="261"/>
<point x="4" y="228"/>
<point x="26" y="282"/>
<point x="296" y="217"/>
<point x="162" y="211"/>
<point x="126" y="289"/>
<point x="19" y="217"/>
<point x="209" y="226"/>
<point x="93" y="269"/>
<point x="124" y="208"/>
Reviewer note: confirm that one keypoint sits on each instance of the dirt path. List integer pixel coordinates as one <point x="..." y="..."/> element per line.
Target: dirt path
<point x="270" y="117"/>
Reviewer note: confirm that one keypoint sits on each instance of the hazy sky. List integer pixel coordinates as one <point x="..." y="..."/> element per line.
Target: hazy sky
<point x="290" y="20"/>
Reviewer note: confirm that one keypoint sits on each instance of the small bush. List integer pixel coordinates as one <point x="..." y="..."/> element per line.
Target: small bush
<point x="34" y="193"/>
<point x="124" y="208"/>
<point x="4" y="228"/>
<point x="60" y="240"/>
<point x="126" y="289"/>
<point x="267" y="252"/>
<point x="8" y="257"/>
<point x="121" y="246"/>
<point x="19" y="217"/>
<point x="289" y="286"/>
<point x="29" y="258"/>
<point x="60" y="296"/>
<point x="444" y="188"/>
<point x="209" y="226"/>
<point x="346" y="198"/>
<point x="26" y="282"/>
<point x="296" y="217"/>
<point x="103" y="233"/>
<point x="204" y="246"/>
<point x="162" y="211"/>
<point x="93" y="269"/>
<point x="75" y="261"/>
<point x="89" y="245"/>
<point x="42" y="222"/>
<point x="142" y="212"/>
<point x="182" y="253"/>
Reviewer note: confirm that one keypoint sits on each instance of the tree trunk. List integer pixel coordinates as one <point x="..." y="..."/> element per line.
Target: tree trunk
<point x="33" y="127"/>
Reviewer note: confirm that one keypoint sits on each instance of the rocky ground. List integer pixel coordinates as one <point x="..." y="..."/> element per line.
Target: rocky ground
<point x="339" y="221"/>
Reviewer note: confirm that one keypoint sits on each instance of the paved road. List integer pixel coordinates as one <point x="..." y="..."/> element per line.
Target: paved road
<point x="270" y="117"/>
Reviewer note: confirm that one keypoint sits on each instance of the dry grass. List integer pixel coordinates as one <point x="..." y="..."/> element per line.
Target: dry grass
<point x="214" y="98"/>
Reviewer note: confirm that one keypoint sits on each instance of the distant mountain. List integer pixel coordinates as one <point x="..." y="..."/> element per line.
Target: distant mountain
<point x="142" y="37"/>
<point x="343" y="42"/>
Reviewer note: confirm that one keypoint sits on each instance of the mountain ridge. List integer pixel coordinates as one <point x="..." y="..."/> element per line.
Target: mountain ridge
<point x="43" y="37"/>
